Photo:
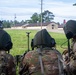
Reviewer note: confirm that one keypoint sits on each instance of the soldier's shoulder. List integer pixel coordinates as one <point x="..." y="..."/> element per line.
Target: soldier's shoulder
<point x="30" y="54"/>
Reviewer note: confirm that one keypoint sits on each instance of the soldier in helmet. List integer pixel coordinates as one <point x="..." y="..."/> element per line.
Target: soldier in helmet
<point x="44" y="59"/>
<point x="5" y="39"/>
<point x="7" y="61"/>
<point x="69" y="55"/>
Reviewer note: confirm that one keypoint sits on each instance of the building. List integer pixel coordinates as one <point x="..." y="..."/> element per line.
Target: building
<point x="48" y="25"/>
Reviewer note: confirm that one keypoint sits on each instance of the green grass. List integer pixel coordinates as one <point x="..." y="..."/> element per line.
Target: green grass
<point x="20" y="43"/>
<point x="60" y="39"/>
<point x="19" y="39"/>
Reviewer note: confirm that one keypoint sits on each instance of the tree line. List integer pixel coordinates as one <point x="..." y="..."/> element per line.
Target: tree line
<point x="47" y="16"/>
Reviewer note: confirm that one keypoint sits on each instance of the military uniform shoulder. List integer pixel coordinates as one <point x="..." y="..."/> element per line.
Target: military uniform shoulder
<point x="31" y="53"/>
<point x="6" y="55"/>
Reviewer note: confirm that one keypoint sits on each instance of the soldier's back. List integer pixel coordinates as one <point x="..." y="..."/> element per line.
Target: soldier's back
<point x="51" y="63"/>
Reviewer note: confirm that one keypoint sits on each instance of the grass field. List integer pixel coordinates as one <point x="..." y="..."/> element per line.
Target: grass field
<point x="19" y="39"/>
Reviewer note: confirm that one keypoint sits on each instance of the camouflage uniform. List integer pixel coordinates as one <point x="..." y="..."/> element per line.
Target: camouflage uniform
<point x="7" y="61"/>
<point x="30" y="63"/>
<point x="7" y="64"/>
<point x="73" y="57"/>
<point x="70" y="65"/>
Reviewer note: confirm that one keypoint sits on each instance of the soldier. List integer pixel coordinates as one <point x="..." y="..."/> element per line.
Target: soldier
<point x="5" y="39"/>
<point x="70" y="55"/>
<point x="7" y="61"/>
<point x="44" y="59"/>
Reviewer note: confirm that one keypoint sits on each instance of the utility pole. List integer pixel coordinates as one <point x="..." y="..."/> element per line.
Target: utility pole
<point x="41" y="12"/>
<point x="14" y="20"/>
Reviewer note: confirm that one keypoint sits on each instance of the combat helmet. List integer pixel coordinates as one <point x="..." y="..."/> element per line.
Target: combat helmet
<point x="1" y="25"/>
<point x="43" y="38"/>
<point x="70" y="29"/>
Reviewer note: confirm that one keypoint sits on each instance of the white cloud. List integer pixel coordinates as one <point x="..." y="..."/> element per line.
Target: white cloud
<point x="61" y="10"/>
<point x="24" y="9"/>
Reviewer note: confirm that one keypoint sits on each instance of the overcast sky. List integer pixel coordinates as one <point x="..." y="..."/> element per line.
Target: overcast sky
<point x="24" y="9"/>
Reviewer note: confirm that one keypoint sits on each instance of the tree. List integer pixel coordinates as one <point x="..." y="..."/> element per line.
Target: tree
<point x="35" y="18"/>
<point x="47" y="16"/>
<point x="6" y="24"/>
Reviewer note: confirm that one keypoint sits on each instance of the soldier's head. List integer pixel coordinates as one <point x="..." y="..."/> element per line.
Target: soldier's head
<point x="43" y="38"/>
<point x="70" y="29"/>
<point x="1" y="25"/>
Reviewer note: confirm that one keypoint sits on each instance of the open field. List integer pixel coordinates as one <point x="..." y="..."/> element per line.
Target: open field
<point x="19" y="39"/>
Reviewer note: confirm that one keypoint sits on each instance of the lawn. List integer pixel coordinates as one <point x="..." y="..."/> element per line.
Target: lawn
<point x="20" y="43"/>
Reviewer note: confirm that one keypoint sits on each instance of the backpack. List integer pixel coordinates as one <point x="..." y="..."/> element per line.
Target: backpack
<point x="7" y="64"/>
<point x="51" y="62"/>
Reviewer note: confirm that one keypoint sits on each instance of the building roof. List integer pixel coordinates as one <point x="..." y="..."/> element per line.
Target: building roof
<point x="37" y="24"/>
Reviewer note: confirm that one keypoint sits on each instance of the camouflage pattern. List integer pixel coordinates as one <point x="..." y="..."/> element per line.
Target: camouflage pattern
<point x="7" y="64"/>
<point x="73" y="57"/>
<point x="30" y="64"/>
<point x="70" y="65"/>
